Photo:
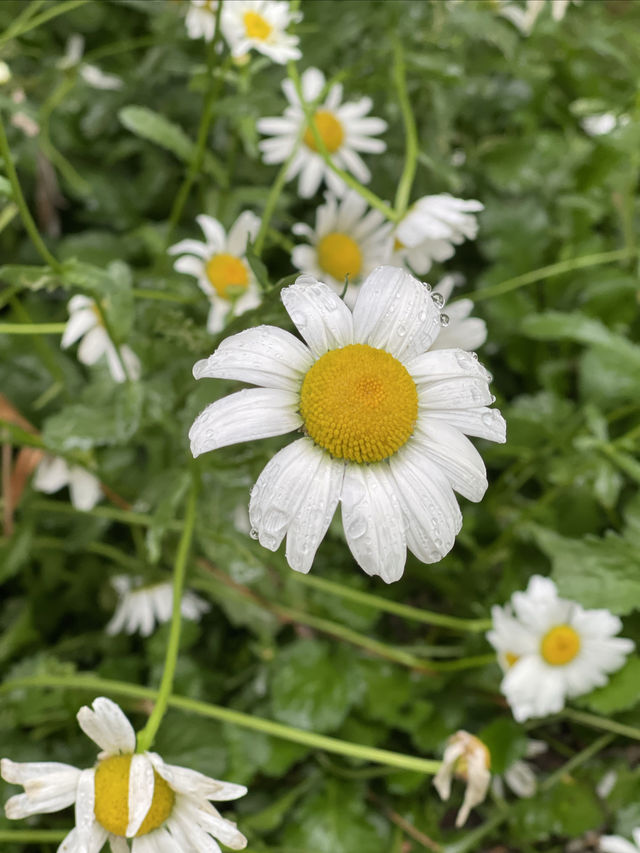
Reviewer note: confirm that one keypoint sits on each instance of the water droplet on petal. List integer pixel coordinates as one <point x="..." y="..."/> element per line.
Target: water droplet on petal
<point x="444" y="320"/>
<point x="357" y="528"/>
<point x="253" y="533"/>
<point x="438" y="299"/>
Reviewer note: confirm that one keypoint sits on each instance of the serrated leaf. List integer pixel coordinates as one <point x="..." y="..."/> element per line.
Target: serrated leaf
<point x="621" y="692"/>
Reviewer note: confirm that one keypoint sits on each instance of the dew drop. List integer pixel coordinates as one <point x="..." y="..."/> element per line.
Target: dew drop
<point x="253" y="533"/>
<point x="357" y="528"/>
<point x="401" y="331"/>
<point x="444" y="320"/>
<point x="438" y="299"/>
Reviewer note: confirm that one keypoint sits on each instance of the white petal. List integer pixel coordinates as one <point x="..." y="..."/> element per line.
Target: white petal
<point x="51" y="475"/>
<point x="78" y="325"/>
<point x="481" y="422"/>
<point x="616" y="844"/>
<point x="141" y="787"/>
<point x="208" y="819"/>
<point x="310" y="175"/>
<point x="264" y="355"/>
<point x="85" y="801"/>
<point x="93" y="345"/>
<point x="372" y="520"/>
<point x="456" y="456"/>
<point x="191" y="247"/>
<point x="245" y="228"/>
<point x="195" y="784"/>
<point x="521" y="778"/>
<point x="213" y="231"/>
<point x="321" y="317"/>
<point x="107" y="726"/>
<point x="245" y="416"/>
<point x="395" y="312"/>
<point x="85" y="489"/>
<point x="440" y="365"/>
<point x="188" y="265"/>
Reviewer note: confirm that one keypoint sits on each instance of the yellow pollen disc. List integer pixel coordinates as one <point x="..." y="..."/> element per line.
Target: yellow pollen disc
<point x="510" y="658"/>
<point x="359" y="403"/>
<point x="225" y="271"/>
<point x="112" y="797"/>
<point x="560" y="645"/>
<point x="339" y="255"/>
<point x="397" y="245"/>
<point x="256" y="27"/>
<point x="330" y="130"/>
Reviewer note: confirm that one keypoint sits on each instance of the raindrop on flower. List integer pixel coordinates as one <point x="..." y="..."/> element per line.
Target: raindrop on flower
<point x="444" y="320"/>
<point x="438" y="299"/>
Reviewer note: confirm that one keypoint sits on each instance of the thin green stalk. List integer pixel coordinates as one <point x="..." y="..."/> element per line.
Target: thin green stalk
<point x="25" y="21"/>
<point x="41" y="345"/>
<point x="163" y="296"/>
<point x="403" y="192"/>
<point x="33" y="836"/>
<point x="405" y="610"/>
<point x="548" y="272"/>
<point x="463" y="663"/>
<point x="148" y="733"/>
<point x="596" y="722"/>
<point x="99" y="548"/>
<point x="18" y="198"/>
<point x="8" y="213"/>
<point x="237" y="718"/>
<point x="123" y="515"/>
<point x="349" y="180"/>
<point x="32" y="328"/>
<point x="578" y="759"/>
<point x="272" y="199"/>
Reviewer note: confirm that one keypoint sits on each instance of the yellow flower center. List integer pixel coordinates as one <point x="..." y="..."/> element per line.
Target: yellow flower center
<point x="510" y="658"/>
<point x="339" y="255"/>
<point x="398" y="245"/>
<point x="256" y="27"/>
<point x="329" y="129"/>
<point x="112" y="797"/>
<point x="226" y="271"/>
<point x="560" y="645"/>
<point x="359" y="403"/>
<point x="461" y="767"/>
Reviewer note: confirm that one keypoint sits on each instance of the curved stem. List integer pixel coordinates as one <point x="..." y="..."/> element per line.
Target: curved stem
<point x="272" y="198"/>
<point x="596" y="722"/>
<point x="411" y="134"/>
<point x="32" y="328"/>
<point x="23" y="25"/>
<point x="34" y="836"/>
<point x="148" y="733"/>
<point x="236" y="718"/>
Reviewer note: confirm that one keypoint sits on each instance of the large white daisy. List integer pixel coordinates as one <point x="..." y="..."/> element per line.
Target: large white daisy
<point x="85" y="322"/>
<point x="345" y="129"/>
<point x="127" y="795"/>
<point x="220" y="266"/>
<point x="260" y="25"/>
<point x="384" y="422"/>
<point x="552" y="649"/>
<point x="140" y="608"/>
<point x="54" y="473"/>
<point x="348" y="240"/>
<point x="431" y="229"/>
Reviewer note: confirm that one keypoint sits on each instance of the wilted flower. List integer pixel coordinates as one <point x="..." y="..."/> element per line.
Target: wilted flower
<point x="221" y="267"/>
<point x="345" y="129"/>
<point x="54" y="473"/>
<point x="551" y="648"/>
<point x="467" y="758"/>
<point x="260" y="25"/>
<point x="127" y="795"/>
<point x="384" y="422"/>
<point x="140" y="608"/>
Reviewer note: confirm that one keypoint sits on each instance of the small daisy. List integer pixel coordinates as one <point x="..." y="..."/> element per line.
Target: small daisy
<point x="221" y="267"/>
<point x="432" y="227"/>
<point x="349" y="240"/>
<point x="201" y="19"/>
<point x="552" y="649"/>
<point x="617" y="844"/>
<point x="54" y="473"/>
<point x="467" y="758"/>
<point x="91" y="74"/>
<point x="85" y="322"/>
<point x="462" y="330"/>
<point x="384" y="422"/>
<point x="127" y="795"/>
<point x="140" y="608"/>
<point x="261" y="25"/>
<point x="345" y="129"/>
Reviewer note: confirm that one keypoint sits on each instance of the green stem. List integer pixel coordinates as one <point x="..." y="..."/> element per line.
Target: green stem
<point x="596" y="722"/>
<point x="33" y="835"/>
<point x="32" y="328"/>
<point x="403" y="192"/>
<point x="123" y="515"/>
<point x="236" y="718"/>
<point x="102" y="549"/>
<point x="547" y="272"/>
<point x="41" y="345"/>
<point x="148" y="733"/>
<point x="18" y="197"/>
<point x="323" y="151"/>
<point x="52" y="12"/>
<point x="578" y="759"/>
<point x="272" y="199"/>
<point x="163" y="296"/>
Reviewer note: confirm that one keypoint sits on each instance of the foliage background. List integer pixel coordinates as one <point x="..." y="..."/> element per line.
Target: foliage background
<point x="562" y="347"/>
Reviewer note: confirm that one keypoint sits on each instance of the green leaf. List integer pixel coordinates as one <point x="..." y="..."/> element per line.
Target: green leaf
<point x="111" y="287"/>
<point x="569" y="808"/>
<point x="314" y="685"/>
<point x="621" y="692"/>
<point x="30" y="278"/>
<point x="506" y="740"/>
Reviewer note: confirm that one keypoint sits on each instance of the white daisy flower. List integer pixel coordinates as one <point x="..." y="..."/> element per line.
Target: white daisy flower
<point x="140" y="608"/>
<point x="91" y="74"/>
<point x="261" y="25"/>
<point x="552" y="649"/>
<point x="617" y="844"/>
<point x="520" y="776"/>
<point x="524" y="18"/>
<point x="201" y="19"/>
<point x="85" y="322"/>
<point x="384" y="422"/>
<point x="220" y="266"/>
<point x="467" y="758"/>
<point x="54" y="473"/>
<point x="345" y="129"/>
<point x="462" y="330"/>
<point x="432" y="227"/>
<point x="348" y="240"/>
<point x="127" y="795"/>
<point x="600" y="124"/>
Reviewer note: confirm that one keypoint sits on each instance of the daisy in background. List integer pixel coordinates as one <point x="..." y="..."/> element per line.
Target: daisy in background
<point x="127" y="795"/>
<point x="617" y="844"/>
<point x="201" y="19"/>
<point x="221" y="267"/>
<point x="461" y="330"/>
<point x="524" y="18"/>
<point x="520" y="776"/>
<point x="431" y="229"/>
<point x="345" y="129"/>
<point x="260" y="25"/>
<point x="85" y="322"/>
<point x="466" y="758"/>
<point x="551" y="649"/>
<point x="54" y="473"/>
<point x="384" y="421"/>
<point x="91" y="74"/>
<point x="140" y="608"/>
<point x="349" y="240"/>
